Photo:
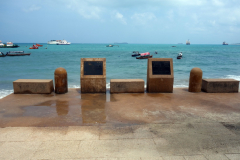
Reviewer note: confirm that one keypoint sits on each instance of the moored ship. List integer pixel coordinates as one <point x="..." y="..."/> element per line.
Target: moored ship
<point x="64" y="42"/>
<point x="188" y="42"/>
<point x="59" y="42"/>
<point x="224" y="43"/>
<point x="8" y="45"/>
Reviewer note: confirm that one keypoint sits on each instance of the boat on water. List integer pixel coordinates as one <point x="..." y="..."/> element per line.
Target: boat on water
<point x="179" y="56"/>
<point x="145" y="55"/>
<point x="110" y="45"/>
<point x="34" y="47"/>
<point x="188" y="42"/>
<point x="17" y="53"/>
<point x="39" y="45"/>
<point x="54" y="42"/>
<point x="8" y="45"/>
<point x="63" y="42"/>
<point x="136" y="53"/>
<point x="59" y="42"/>
<point x="224" y="43"/>
<point x="2" y="55"/>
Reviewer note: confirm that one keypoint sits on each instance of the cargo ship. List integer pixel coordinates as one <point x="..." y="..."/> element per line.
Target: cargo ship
<point x="187" y="42"/>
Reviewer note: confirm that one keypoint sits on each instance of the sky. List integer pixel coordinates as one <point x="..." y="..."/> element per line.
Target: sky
<point x="109" y="21"/>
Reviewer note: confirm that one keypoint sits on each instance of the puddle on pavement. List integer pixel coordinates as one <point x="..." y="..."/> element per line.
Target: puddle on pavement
<point x="93" y="108"/>
<point x="85" y="109"/>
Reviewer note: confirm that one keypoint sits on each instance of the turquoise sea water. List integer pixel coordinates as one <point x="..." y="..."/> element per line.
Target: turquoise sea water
<point x="216" y="61"/>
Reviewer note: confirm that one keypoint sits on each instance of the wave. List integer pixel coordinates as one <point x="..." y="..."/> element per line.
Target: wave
<point x="232" y="77"/>
<point x="4" y="93"/>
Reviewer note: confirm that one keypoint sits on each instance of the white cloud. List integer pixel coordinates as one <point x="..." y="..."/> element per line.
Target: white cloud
<point x="85" y="9"/>
<point x="32" y="8"/>
<point x="217" y="3"/>
<point x="120" y="17"/>
<point x="143" y="18"/>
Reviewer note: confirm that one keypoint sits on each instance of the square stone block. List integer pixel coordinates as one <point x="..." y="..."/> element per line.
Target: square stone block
<point x="220" y="85"/>
<point x="126" y="86"/>
<point x="160" y="75"/>
<point x="33" y="86"/>
<point x="93" y="75"/>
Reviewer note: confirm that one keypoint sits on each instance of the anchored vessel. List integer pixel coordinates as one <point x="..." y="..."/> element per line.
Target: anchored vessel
<point x="188" y="42"/>
<point x="63" y="42"/>
<point x="224" y="43"/>
<point x="8" y="45"/>
<point x="59" y="42"/>
<point x="144" y="56"/>
<point x="17" y="53"/>
<point x="136" y="53"/>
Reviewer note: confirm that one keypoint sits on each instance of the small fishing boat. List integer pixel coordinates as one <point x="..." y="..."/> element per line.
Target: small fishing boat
<point x="110" y="45"/>
<point x="34" y="47"/>
<point x="17" y="53"/>
<point x="39" y="45"/>
<point x="179" y="55"/>
<point x="136" y="53"/>
<point x="2" y="55"/>
<point x="144" y="56"/>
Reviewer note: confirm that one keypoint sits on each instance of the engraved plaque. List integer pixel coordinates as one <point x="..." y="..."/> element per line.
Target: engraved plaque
<point x="93" y="67"/>
<point x="161" y="68"/>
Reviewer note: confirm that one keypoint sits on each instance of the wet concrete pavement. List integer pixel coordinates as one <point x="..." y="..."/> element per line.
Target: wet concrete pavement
<point x="76" y="109"/>
<point x="178" y="125"/>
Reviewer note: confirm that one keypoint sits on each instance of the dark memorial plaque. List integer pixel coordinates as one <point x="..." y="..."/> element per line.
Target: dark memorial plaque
<point x="93" y="68"/>
<point x="161" y="68"/>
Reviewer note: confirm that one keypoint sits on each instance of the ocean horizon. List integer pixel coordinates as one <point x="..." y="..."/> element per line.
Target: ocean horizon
<point x="215" y="60"/>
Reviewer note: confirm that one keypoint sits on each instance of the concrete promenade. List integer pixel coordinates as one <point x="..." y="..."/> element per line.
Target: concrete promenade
<point x="145" y="126"/>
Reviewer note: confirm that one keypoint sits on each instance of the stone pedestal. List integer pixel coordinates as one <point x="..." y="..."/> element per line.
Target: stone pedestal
<point x="126" y="86"/>
<point x="61" y="82"/>
<point x="160" y="75"/>
<point x="33" y="86"/>
<point x="220" y="85"/>
<point x="195" y="80"/>
<point x="93" y="75"/>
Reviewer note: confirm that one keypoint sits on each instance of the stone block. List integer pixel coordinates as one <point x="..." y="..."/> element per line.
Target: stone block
<point x="160" y="75"/>
<point x="33" y="86"/>
<point x="220" y="85"/>
<point x="126" y="86"/>
<point x="93" y="75"/>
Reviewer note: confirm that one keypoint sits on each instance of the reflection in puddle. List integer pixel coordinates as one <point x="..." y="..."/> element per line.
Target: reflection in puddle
<point x="93" y="108"/>
<point x="47" y="109"/>
<point x="62" y="107"/>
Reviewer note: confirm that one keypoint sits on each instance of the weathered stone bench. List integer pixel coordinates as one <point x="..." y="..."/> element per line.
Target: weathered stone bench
<point x="126" y="86"/>
<point x="220" y="85"/>
<point x="33" y="86"/>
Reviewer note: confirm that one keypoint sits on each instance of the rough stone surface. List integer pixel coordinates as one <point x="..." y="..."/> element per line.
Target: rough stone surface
<point x="220" y="85"/>
<point x="93" y="83"/>
<point x="159" y="83"/>
<point x="126" y="86"/>
<point x="195" y="80"/>
<point x="33" y="86"/>
<point x="61" y="81"/>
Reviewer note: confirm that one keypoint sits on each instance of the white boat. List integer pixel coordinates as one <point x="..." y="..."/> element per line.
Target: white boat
<point x="9" y="44"/>
<point x="187" y="42"/>
<point x="64" y="42"/>
<point x="54" y="41"/>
